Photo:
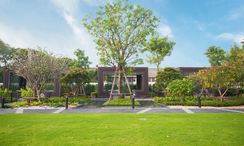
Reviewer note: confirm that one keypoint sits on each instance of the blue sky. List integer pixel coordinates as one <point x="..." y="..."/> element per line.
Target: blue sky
<point x="56" y="26"/>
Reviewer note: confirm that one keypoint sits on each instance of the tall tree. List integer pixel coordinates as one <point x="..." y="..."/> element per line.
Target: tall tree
<point x="81" y="60"/>
<point x="6" y="53"/>
<point x="216" y="55"/>
<point x="158" y="49"/>
<point x="121" y="30"/>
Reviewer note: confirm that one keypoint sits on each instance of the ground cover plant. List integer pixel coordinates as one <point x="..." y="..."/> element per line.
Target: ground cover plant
<point x="52" y="101"/>
<point x="121" y="102"/>
<point x="122" y="129"/>
<point x="206" y="101"/>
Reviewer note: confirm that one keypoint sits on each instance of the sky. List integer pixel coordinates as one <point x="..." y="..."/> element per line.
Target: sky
<point x="56" y="25"/>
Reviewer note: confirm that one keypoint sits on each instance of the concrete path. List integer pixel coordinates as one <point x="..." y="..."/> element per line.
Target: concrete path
<point x="138" y="110"/>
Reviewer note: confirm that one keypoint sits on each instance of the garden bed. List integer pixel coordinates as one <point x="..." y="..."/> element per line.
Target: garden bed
<point x="52" y="101"/>
<point x="120" y="102"/>
<point x="206" y="101"/>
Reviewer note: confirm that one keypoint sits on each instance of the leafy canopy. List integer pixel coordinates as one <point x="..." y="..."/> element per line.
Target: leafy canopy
<point x="180" y="88"/>
<point x="216" y="55"/>
<point x="166" y="76"/>
<point x="6" y="53"/>
<point x="120" y="30"/>
<point x="158" y="49"/>
<point x="81" y="60"/>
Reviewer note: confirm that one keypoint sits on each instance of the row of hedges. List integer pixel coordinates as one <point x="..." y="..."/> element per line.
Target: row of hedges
<point x="206" y="101"/>
<point x="52" y="101"/>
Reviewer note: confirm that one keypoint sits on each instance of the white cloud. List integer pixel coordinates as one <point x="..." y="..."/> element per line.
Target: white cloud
<point x="22" y="38"/>
<point x="68" y="9"/>
<point x="165" y="30"/>
<point x="232" y="37"/>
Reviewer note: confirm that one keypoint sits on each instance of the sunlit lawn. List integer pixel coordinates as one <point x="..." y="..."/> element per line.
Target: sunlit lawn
<point x="122" y="129"/>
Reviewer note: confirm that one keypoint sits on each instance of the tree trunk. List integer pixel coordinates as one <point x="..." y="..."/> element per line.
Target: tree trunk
<point x="158" y="67"/>
<point x="38" y="94"/>
<point x="120" y="74"/>
<point x="112" y="89"/>
<point x="83" y="90"/>
<point x="222" y="94"/>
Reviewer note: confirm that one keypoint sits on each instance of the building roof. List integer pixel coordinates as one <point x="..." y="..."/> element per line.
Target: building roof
<point x="152" y="72"/>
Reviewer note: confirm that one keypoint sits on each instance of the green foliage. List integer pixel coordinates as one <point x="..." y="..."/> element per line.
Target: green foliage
<point x="89" y="88"/>
<point x="82" y="61"/>
<point x="60" y="101"/>
<point x="6" y="53"/>
<point x="92" y="75"/>
<point x="216" y="55"/>
<point x="166" y="76"/>
<point x="48" y="86"/>
<point x="76" y="75"/>
<point x="76" y="78"/>
<point x="121" y="30"/>
<point x="19" y="104"/>
<point x="37" y="67"/>
<point x="36" y="103"/>
<point x="180" y="88"/>
<point x="158" y="48"/>
<point x="206" y="101"/>
<point x="121" y="102"/>
<point x="220" y="78"/>
<point x="93" y="94"/>
<point x="26" y="92"/>
<point x="5" y="93"/>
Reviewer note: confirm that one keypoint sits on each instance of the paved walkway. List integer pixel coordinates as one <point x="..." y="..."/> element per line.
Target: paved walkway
<point x="139" y="110"/>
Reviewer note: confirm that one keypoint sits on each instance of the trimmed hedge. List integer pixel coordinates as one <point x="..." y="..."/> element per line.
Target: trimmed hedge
<point x="52" y="101"/>
<point x="60" y="101"/>
<point x="121" y="102"/>
<point x="206" y="101"/>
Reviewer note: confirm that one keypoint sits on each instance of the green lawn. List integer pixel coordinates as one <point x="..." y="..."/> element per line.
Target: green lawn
<point x="122" y="129"/>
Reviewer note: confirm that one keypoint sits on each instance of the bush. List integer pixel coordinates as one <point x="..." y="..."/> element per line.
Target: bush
<point x="19" y="104"/>
<point x="60" y="101"/>
<point x="166" y="76"/>
<point x="5" y="93"/>
<point x="180" y="88"/>
<point x="26" y="92"/>
<point x="36" y="103"/>
<point x="206" y="101"/>
<point x="93" y="94"/>
<point x="121" y="102"/>
<point x="89" y="88"/>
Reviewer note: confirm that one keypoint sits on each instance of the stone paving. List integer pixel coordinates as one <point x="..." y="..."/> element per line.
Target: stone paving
<point x="138" y="110"/>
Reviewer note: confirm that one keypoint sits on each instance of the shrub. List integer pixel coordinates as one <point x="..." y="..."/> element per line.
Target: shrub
<point x="121" y="102"/>
<point x="206" y="101"/>
<point x="36" y="103"/>
<point x="18" y="104"/>
<point x="180" y="88"/>
<point x="5" y="93"/>
<point x="166" y="76"/>
<point x="93" y="94"/>
<point x="60" y="101"/>
<point x="26" y="92"/>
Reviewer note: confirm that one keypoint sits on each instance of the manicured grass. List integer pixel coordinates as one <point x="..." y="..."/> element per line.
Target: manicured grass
<point x="122" y="129"/>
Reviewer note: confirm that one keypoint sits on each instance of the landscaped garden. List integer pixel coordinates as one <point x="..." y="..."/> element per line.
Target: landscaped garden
<point x="122" y="129"/>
